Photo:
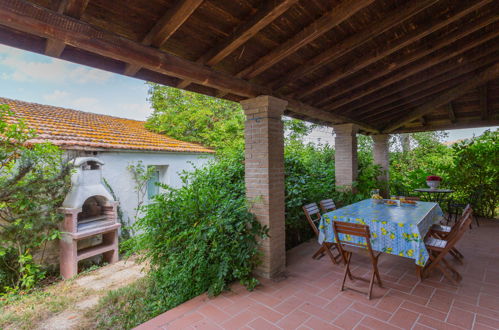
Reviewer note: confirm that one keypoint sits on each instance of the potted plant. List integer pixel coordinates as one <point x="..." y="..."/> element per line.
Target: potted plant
<point x="433" y="181"/>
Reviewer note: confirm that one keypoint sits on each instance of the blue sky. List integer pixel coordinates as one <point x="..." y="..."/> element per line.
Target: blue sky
<point x="36" y="78"/>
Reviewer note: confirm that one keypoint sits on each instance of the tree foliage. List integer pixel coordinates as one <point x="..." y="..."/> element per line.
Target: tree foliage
<point x="194" y="117"/>
<point x="34" y="180"/>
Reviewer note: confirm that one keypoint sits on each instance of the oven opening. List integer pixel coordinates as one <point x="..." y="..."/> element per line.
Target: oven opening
<point x="93" y="214"/>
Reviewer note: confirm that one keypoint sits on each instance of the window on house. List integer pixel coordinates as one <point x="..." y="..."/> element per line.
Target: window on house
<point x="152" y="184"/>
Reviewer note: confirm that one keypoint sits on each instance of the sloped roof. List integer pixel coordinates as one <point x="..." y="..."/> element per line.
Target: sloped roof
<point x="70" y="128"/>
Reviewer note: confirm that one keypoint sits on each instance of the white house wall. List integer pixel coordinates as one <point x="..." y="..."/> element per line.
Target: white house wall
<point x="120" y="178"/>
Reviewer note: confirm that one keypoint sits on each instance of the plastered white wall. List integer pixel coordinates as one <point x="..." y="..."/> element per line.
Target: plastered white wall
<point x="120" y="179"/>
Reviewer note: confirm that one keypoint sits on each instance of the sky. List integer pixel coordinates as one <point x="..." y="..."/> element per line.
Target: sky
<point x="36" y="78"/>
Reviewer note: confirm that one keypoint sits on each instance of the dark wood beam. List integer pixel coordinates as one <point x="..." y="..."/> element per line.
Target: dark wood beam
<point x="73" y="8"/>
<point x="436" y="74"/>
<point x="376" y="55"/>
<point x="392" y="66"/>
<point x="452" y="113"/>
<point x="419" y="66"/>
<point x="247" y="30"/>
<point x="393" y="18"/>
<point x="462" y="123"/>
<point x="165" y="27"/>
<point x="33" y="19"/>
<point x="448" y="96"/>
<point x="484" y="101"/>
<point x="430" y="86"/>
<point x="422" y="120"/>
<point x="337" y="15"/>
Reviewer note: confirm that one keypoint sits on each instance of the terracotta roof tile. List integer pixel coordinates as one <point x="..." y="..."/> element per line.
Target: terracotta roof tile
<point x="72" y="128"/>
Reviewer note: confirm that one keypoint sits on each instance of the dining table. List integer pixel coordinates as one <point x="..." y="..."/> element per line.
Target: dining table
<point x="397" y="229"/>
<point x="434" y="194"/>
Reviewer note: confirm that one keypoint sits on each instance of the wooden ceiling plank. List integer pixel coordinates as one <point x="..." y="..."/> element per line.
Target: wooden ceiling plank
<point x="376" y="54"/>
<point x="486" y="75"/>
<point x="462" y="123"/>
<point x="484" y="101"/>
<point x="334" y="17"/>
<point x="73" y="8"/>
<point x="394" y="18"/>
<point x="411" y="71"/>
<point x="452" y="113"/>
<point x="165" y="27"/>
<point x="441" y="72"/>
<point x="244" y="32"/>
<point x="390" y="67"/>
<point x="427" y="85"/>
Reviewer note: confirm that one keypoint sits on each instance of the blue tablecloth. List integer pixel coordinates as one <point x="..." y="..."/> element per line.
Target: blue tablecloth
<point x="398" y="230"/>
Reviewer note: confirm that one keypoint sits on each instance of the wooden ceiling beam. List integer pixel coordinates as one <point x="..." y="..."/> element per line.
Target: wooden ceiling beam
<point x="430" y="84"/>
<point x="30" y="18"/>
<point x="393" y="18"/>
<point x="72" y="8"/>
<point x="452" y="113"/>
<point x="462" y="123"/>
<point x="392" y="66"/>
<point x="244" y="32"/>
<point x="422" y="65"/>
<point x="444" y="71"/>
<point x="484" y="101"/>
<point x="376" y="55"/>
<point x="165" y="27"/>
<point x="486" y="75"/>
<point x="334" y="17"/>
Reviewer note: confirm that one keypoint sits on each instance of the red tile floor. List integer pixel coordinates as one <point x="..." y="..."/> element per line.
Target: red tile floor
<point x="309" y="296"/>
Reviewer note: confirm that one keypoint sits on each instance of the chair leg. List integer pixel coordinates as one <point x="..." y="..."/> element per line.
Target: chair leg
<point x="327" y="248"/>
<point x="347" y="270"/>
<point x="319" y="253"/>
<point x="371" y="285"/>
<point x="476" y="220"/>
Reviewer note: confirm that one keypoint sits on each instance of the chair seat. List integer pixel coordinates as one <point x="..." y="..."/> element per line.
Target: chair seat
<point x="435" y="243"/>
<point x="441" y="228"/>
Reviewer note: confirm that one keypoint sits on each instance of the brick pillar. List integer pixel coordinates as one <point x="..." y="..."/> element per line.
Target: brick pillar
<point x="345" y="144"/>
<point x="381" y="159"/>
<point x="264" y="176"/>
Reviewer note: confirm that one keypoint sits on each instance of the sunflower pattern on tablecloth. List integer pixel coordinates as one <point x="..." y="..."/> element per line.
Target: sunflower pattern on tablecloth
<point x="397" y="230"/>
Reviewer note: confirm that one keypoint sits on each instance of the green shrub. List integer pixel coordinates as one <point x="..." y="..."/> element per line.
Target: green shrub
<point x="34" y="181"/>
<point x="200" y="237"/>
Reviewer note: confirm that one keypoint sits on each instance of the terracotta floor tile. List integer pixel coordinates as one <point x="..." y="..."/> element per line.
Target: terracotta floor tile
<point x="461" y="317"/>
<point x="487" y="321"/>
<point x="404" y="318"/>
<point x="316" y="323"/>
<point x="239" y="320"/>
<point x="348" y="319"/>
<point x="293" y="319"/>
<point x="372" y="311"/>
<point x="377" y="324"/>
<point x="260" y="323"/>
<point x="265" y="312"/>
<point x="213" y="313"/>
<point x="424" y="310"/>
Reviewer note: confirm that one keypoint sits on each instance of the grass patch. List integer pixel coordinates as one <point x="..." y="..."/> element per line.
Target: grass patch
<point x="123" y="308"/>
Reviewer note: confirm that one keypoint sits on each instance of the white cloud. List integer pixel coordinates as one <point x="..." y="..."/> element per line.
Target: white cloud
<point x="53" y="70"/>
<point x="139" y="111"/>
<point x="87" y="103"/>
<point x="55" y="96"/>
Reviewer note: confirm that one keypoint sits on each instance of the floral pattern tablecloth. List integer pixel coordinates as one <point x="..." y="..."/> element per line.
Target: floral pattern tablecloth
<point x="398" y="230"/>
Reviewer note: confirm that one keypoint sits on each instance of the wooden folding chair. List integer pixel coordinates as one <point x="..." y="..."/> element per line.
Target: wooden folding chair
<point x="354" y="229"/>
<point x="444" y="232"/>
<point x="439" y="248"/>
<point x="314" y="217"/>
<point x="327" y="205"/>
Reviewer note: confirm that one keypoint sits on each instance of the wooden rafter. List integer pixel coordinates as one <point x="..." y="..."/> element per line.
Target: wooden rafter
<point x="484" y="101"/>
<point x="73" y="8"/>
<point x="454" y="51"/>
<point x="431" y="86"/>
<point x="395" y="17"/>
<point x="165" y="27"/>
<point x="247" y="30"/>
<point x="435" y="74"/>
<point x="337" y="15"/>
<point x="452" y="113"/>
<point x="377" y="55"/>
<point x="443" y="42"/>
<point x="446" y="97"/>
<point x="464" y="123"/>
<point x="31" y="18"/>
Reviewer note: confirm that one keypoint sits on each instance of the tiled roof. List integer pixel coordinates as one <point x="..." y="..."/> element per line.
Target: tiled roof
<point x="77" y="129"/>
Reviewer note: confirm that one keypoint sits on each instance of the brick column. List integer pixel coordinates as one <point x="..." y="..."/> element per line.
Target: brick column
<point x="264" y="176"/>
<point x="345" y="144"/>
<point x="381" y="158"/>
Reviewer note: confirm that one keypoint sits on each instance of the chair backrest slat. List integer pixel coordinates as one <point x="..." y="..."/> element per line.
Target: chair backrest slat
<point x="327" y="205"/>
<point x="313" y="216"/>
<point x="352" y="229"/>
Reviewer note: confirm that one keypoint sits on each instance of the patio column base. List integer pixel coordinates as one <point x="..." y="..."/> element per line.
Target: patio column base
<point x="381" y="146"/>
<point x="345" y="144"/>
<point x="264" y="177"/>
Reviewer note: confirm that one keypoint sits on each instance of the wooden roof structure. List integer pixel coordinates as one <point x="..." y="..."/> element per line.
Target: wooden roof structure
<point x="385" y="65"/>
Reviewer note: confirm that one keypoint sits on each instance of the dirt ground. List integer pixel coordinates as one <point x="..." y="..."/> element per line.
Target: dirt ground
<point x="63" y="304"/>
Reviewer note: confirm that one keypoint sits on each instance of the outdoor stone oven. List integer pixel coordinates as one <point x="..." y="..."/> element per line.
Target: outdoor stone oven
<point x="89" y="211"/>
